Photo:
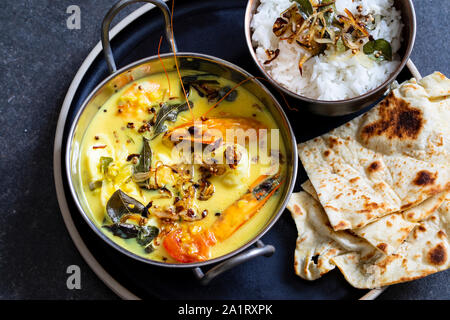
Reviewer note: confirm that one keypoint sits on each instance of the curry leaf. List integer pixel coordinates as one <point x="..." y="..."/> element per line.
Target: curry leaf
<point x="190" y="79"/>
<point x="207" y="88"/>
<point x="124" y="230"/>
<point x="120" y="203"/>
<point x="145" y="158"/>
<point x="329" y="14"/>
<point x="144" y="164"/>
<point x="146" y="235"/>
<point x="104" y="163"/>
<point x="231" y="97"/>
<point x="305" y="7"/>
<point x="378" y="50"/>
<point x="168" y="112"/>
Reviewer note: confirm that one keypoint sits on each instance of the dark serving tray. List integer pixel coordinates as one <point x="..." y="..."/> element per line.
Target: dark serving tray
<point x="215" y="28"/>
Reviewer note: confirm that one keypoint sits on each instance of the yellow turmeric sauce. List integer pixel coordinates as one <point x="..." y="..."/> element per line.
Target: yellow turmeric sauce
<point x="111" y="151"/>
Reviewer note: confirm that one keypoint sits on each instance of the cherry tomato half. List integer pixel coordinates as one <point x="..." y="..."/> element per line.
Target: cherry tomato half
<point x="185" y="246"/>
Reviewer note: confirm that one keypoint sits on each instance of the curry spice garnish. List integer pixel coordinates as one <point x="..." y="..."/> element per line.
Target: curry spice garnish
<point x="272" y="55"/>
<point x="144" y="127"/>
<point x="316" y="27"/>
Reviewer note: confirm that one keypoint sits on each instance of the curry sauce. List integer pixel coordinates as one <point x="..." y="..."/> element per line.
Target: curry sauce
<point x="166" y="207"/>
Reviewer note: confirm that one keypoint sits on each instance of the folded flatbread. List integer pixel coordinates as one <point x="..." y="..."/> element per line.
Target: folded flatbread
<point x="388" y="233"/>
<point x="317" y="242"/>
<point x="425" y="251"/>
<point x="309" y="188"/>
<point x="319" y="248"/>
<point x="388" y="160"/>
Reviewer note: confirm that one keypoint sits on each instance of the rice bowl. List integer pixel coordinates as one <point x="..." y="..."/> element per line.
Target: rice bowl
<point x="331" y="74"/>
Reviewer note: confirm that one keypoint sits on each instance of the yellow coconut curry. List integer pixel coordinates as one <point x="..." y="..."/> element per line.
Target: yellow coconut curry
<point x="171" y="171"/>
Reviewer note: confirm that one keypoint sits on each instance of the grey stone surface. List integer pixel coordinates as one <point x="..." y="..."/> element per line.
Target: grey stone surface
<point x="38" y="59"/>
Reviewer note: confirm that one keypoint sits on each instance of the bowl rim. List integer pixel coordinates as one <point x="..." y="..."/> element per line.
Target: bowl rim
<point x="275" y="217"/>
<point x="363" y="97"/>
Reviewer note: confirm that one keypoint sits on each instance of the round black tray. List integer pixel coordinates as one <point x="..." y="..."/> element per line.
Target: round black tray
<point x="215" y="28"/>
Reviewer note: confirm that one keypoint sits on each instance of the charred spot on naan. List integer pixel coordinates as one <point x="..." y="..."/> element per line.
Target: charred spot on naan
<point x="407" y="205"/>
<point x="425" y="178"/>
<point x="382" y="247"/>
<point x="369" y="206"/>
<point x="441" y="234"/>
<point x="332" y="141"/>
<point x="437" y="255"/>
<point x="410" y="215"/>
<point x="418" y="229"/>
<point x="374" y="167"/>
<point x="353" y="180"/>
<point x="297" y="210"/>
<point x="397" y="120"/>
<point x="342" y="225"/>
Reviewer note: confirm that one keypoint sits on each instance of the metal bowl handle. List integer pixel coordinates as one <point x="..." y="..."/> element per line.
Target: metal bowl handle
<point x="259" y="250"/>
<point x="115" y="10"/>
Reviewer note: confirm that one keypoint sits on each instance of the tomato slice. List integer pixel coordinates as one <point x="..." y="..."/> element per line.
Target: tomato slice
<point x="185" y="246"/>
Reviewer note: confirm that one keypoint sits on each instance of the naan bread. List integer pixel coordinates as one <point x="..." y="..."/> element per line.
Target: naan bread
<point x="317" y="242"/>
<point x="425" y="251"/>
<point x="426" y="208"/>
<point x="385" y="234"/>
<point x="390" y="159"/>
<point x="388" y="233"/>
<point x="309" y="188"/>
<point x="320" y="248"/>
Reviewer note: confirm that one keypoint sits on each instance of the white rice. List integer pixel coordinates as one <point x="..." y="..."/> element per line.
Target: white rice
<point x="328" y="76"/>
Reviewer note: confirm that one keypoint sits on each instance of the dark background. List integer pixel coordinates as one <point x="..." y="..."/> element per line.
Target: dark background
<point x="38" y="58"/>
